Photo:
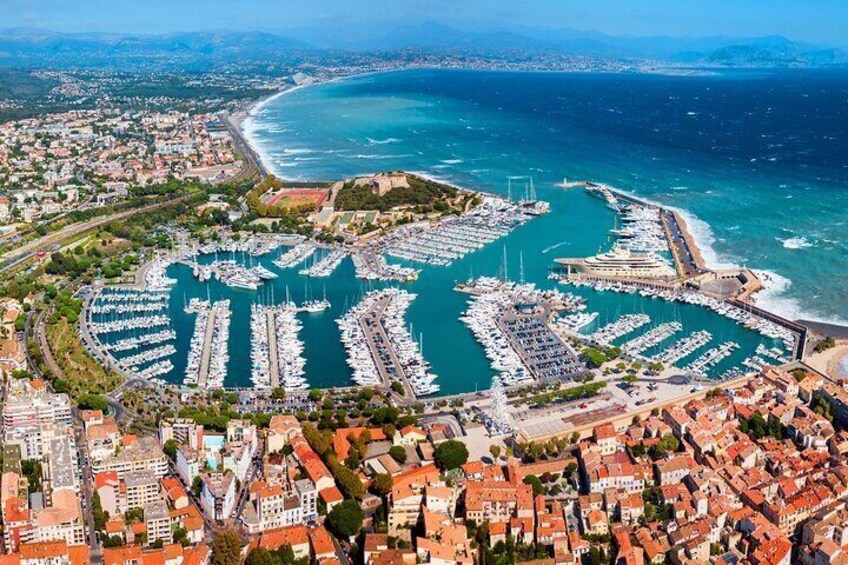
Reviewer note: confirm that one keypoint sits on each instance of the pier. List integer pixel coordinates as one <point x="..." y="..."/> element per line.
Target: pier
<point x="800" y="330"/>
<point x="273" y="352"/>
<point x="206" y="355"/>
<point x="385" y="357"/>
<point x="687" y="257"/>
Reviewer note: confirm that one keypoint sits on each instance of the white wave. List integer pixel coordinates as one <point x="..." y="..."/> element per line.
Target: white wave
<point x="383" y="141"/>
<point x="554" y="246"/>
<point x="796" y="242"/>
<point x="297" y="151"/>
<point x="679" y="188"/>
<point x="702" y="233"/>
<point x="451" y="161"/>
<point x="774" y="298"/>
<point x="378" y="156"/>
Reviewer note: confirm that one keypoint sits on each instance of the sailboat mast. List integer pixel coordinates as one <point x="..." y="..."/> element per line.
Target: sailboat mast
<point x="521" y="267"/>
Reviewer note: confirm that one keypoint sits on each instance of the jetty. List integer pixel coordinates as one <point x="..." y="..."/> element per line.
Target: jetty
<point x="205" y="357"/>
<point x="273" y="354"/>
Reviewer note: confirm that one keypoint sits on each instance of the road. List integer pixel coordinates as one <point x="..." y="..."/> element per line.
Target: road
<point x="86" y="491"/>
<point x="20" y="255"/>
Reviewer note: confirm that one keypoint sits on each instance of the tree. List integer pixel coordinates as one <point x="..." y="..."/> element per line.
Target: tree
<point x="669" y="442"/>
<point x="345" y="519"/>
<point x="261" y="556"/>
<point x="349" y="482"/>
<point x="226" y="549"/>
<point x="97" y="512"/>
<point x="398" y="453"/>
<point x="92" y="402"/>
<point x="382" y="484"/>
<point x="450" y="454"/>
<point x="536" y="483"/>
<point x="170" y="449"/>
<point x="495" y="450"/>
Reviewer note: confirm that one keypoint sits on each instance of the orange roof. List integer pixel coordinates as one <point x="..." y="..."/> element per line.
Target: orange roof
<point x="275" y="539"/>
<point x="16" y="510"/>
<point x="106" y="477"/>
<point x="406" y="430"/>
<point x="79" y="555"/>
<point x="195" y="555"/>
<point x="44" y="550"/>
<point x="341" y="438"/>
<point x="332" y="494"/>
<point x="322" y="543"/>
<point x="120" y="555"/>
<point x="115" y="525"/>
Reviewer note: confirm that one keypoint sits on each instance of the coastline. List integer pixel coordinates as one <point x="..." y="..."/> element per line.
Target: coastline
<point x="772" y="297"/>
<point x="246" y="121"/>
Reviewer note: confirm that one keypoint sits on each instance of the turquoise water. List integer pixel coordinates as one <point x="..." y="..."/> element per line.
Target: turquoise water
<point x="760" y="159"/>
<point x="631" y="131"/>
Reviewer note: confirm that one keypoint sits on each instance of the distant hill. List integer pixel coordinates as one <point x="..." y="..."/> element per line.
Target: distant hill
<point x="38" y="48"/>
<point x="203" y="50"/>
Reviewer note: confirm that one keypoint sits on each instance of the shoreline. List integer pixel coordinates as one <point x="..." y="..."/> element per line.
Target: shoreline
<point x="771" y="297"/>
<point x="245" y="123"/>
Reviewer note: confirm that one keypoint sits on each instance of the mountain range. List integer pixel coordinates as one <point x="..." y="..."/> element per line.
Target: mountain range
<point x="22" y="47"/>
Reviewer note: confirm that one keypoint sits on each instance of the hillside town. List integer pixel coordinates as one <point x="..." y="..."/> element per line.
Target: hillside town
<point x="752" y="473"/>
<point x="83" y="159"/>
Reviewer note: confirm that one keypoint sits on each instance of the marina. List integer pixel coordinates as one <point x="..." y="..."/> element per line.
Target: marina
<point x="130" y="343"/>
<point x="741" y="315"/>
<point x="453" y="238"/>
<point x="526" y="340"/>
<point x="711" y="358"/>
<point x="510" y="321"/>
<point x="380" y="347"/>
<point x="327" y="264"/>
<point x="619" y="328"/>
<point x="208" y="355"/>
<point x="133" y="323"/>
<point x="651" y="338"/>
<point x="276" y="349"/>
<point x="295" y="255"/>
<point x="370" y="265"/>
<point x="685" y="347"/>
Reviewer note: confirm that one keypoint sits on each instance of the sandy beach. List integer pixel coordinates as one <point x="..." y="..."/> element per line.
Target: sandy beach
<point x="833" y="362"/>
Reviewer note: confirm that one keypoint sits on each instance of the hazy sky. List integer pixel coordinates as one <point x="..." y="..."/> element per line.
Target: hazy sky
<point x="821" y="21"/>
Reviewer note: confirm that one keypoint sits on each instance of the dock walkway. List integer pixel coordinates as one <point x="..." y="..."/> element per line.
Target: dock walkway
<point x="273" y="353"/>
<point x="383" y="354"/>
<point x="206" y="355"/>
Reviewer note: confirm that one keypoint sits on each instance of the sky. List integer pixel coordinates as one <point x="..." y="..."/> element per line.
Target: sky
<point x="817" y="21"/>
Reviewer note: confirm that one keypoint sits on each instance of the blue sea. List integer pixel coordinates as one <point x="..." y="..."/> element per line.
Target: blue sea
<point x="756" y="162"/>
